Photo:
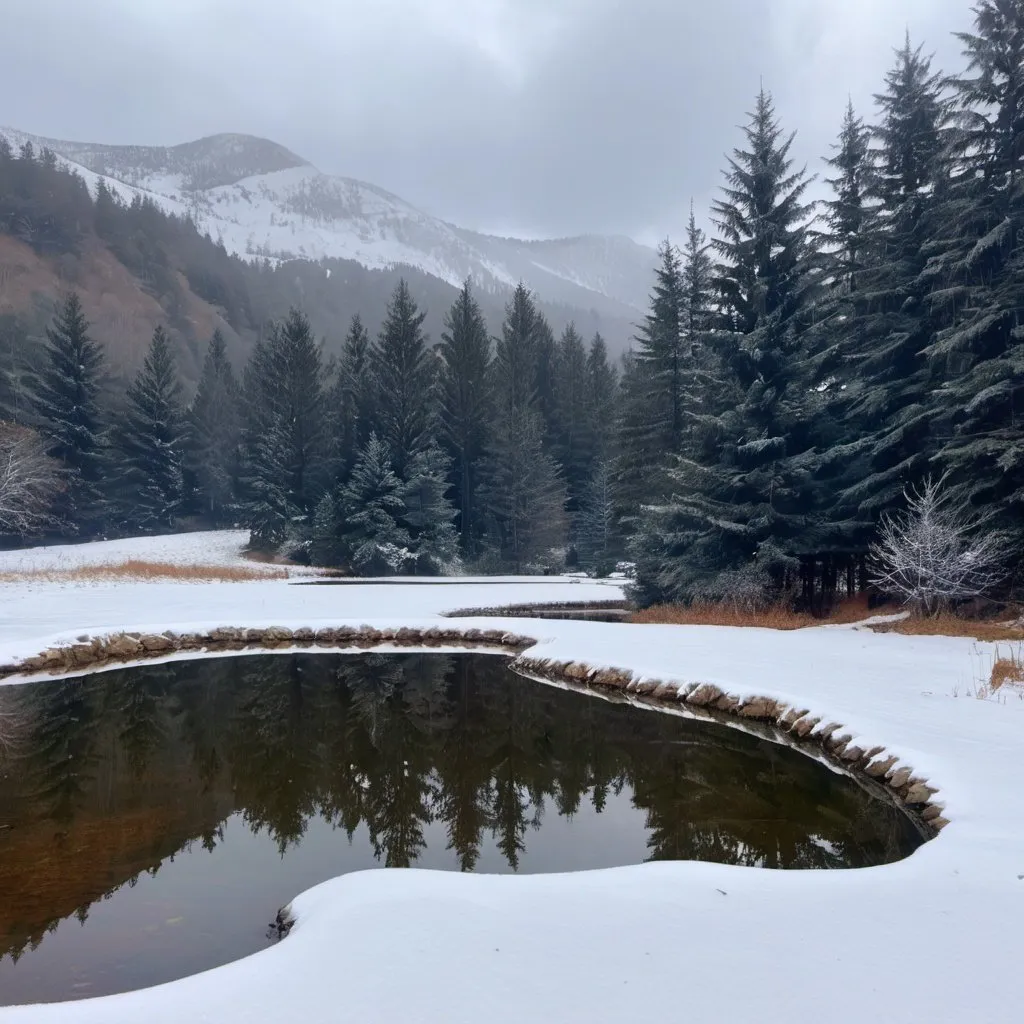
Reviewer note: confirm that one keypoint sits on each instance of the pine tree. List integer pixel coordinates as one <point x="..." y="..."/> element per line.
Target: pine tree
<point x="66" y="400"/>
<point x="213" y="435"/>
<point x="602" y="387"/>
<point x="403" y="377"/>
<point x="466" y="404"/>
<point x="515" y="363"/>
<point x="372" y="507"/>
<point x="354" y="396"/>
<point x="573" y="441"/>
<point x="596" y="537"/>
<point x="885" y="377"/>
<point x="741" y="497"/>
<point x="978" y="353"/>
<point x="429" y="515"/>
<point x="285" y="442"/>
<point x="148" y="444"/>
<point x="525" y="495"/>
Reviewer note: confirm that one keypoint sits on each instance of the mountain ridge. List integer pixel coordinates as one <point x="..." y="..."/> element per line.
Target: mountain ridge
<point x="263" y="201"/>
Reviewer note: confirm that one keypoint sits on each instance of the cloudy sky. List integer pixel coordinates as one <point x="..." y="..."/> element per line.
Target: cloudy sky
<point x="539" y="117"/>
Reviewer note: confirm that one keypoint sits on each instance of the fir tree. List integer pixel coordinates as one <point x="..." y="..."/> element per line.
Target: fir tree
<point x="66" y="399"/>
<point x="149" y="443"/>
<point x="213" y="435"/>
<point x="573" y="441"/>
<point x="372" y="507"/>
<point x="515" y="363"/>
<point x="403" y="377"/>
<point x="354" y="396"/>
<point x="466" y="403"/>
<point x="978" y="353"/>
<point x="602" y="387"/>
<point x="742" y="499"/>
<point x="596" y="536"/>
<point x="285" y="436"/>
<point x="429" y="515"/>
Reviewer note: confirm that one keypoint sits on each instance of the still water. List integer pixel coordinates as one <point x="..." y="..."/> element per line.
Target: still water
<point x="153" y="820"/>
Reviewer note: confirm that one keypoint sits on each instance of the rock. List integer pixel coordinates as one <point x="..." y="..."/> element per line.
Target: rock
<point x="931" y="812"/>
<point x="326" y="637"/>
<point x="803" y="726"/>
<point x="837" y="744"/>
<point x="33" y="664"/>
<point x="878" y="768"/>
<point x="154" y="642"/>
<point x="81" y="654"/>
<point x="52" y="656"/>
<point x="611" y="677"/>
<point x="122" y="646"/>
<point x="939" y="823"/>
<point x="825" y="732"/>
<point x="874" y="752"/>
<point x="471" y="634"/>
<point x="899" y="778"/>
<point x="852" y="753"/>
<point x="758" y="707"/>
<point x="706" y="693"/>
<point x="492" y="636"/>
<point x="253" y="635"/>
<point x="646" y="687"/>
<point x="918" y="794"/>
<point x="345" y="636"/>
<point x="790" y="718"/>
<point x="727" y="702"/>
<point x="277" y="634"/>
<point x="405" y="636"/>
<point x="665" y="691"/>
<point x="225" y="634"/>
<point x="576" y="670"/>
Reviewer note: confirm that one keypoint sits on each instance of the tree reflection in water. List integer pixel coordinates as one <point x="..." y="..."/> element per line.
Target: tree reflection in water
<point x="110" y="774"/>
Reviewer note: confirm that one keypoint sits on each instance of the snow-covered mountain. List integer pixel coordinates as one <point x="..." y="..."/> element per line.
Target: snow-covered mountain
<point x="261" y="200"/>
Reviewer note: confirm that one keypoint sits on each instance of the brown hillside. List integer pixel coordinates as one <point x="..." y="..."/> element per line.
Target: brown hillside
<point x="123" y="314"/>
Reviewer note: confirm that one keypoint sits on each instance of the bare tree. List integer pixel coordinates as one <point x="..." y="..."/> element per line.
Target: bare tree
<point x="30" y="480"/>
<point x="937" y="551"/>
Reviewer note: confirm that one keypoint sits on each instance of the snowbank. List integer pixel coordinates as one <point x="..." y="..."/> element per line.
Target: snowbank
<point x="932" y="938"/>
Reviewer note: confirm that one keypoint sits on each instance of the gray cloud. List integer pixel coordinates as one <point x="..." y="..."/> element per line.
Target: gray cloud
<point x="519" y="116"/>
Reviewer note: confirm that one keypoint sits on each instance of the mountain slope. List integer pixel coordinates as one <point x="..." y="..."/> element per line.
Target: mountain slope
<point x="261" y="200"/>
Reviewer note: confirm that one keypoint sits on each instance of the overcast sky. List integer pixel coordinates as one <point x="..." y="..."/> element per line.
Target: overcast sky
<point x="539" y="117"/>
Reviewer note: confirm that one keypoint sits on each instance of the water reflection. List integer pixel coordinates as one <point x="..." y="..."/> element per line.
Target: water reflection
<point x="288" y="769"/>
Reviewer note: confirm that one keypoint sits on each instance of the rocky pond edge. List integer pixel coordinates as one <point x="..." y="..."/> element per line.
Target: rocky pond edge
<point x="795" y="726"/>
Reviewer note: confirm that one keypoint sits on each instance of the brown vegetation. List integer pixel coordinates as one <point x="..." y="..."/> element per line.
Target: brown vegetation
<point x="950" y="624"/>
<point x="136" y="569"/>
<point x="778" y="616"/>
<point x="1007" y="669"/>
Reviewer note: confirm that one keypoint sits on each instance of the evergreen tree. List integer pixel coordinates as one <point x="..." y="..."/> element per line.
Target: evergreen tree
<point x="148" y="444"/>
<point x="66" y="399"/>
<point x="403" y="376"/>
<point x="742" y="499"/>
<point x="429" y="515"/>
<point x="602" y="387"/>
<point x="573" y="440"/>
<point x="285" y="436"/>
<point x="525" y="494"/>
<point x="515" y="363"/>
<point x="978" y="353"/>
<point x="354" y="396"/>
<point x="372" y="507"/>
<point x="596" y="536"/>
<point x="884" y="375"/>
<point x="466" y="403"/>
<point x="213" y="435"/>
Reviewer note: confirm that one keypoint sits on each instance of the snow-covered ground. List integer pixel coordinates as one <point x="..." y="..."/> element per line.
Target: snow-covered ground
<point x="933" y="938"/>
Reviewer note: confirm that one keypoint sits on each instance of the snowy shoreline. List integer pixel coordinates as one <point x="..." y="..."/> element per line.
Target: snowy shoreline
<point x="932" y="937"/>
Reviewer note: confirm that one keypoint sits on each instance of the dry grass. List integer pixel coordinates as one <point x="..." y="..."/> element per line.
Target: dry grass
<point x="948" y="624"/>
<point x="779" y="616"/>
<point x="137" y="569"/>
<point x="1007" y="669"/>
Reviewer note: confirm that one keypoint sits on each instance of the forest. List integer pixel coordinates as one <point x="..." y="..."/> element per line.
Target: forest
<point x="801" y="375"/>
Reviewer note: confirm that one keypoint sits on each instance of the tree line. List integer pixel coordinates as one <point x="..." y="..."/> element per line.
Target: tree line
<point x="794" y="375"/>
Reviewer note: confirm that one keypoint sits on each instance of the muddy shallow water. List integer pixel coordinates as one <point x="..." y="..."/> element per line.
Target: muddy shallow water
<point x="154" y="819"/>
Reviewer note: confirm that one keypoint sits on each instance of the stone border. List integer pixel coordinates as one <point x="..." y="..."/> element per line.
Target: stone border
<point x="798" y="726"/>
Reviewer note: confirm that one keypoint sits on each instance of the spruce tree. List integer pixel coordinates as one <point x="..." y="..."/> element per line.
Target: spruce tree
<point x="885" y="376"/>
<point x="213" y="436"/>
<point x="741" y="497"/>
<point x="466" y="404"/>
<point x="978" y="353"/>
<point x="148" y="444"/>
<point x="66" y="400"/>
<point x="602" y="388"/>
<point x="597" y="540"/>
<point x="429" y="515"/>
<point x="372" y="507"/>
<point x="573" y="441"/>
<point x="403" y="378"/>
<point x="515" y="363"/>
<point x="354" y="396"/>
<point x="285" y="438"/>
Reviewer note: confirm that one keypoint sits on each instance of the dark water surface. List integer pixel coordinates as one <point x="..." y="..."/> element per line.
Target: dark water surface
<point x="154" y="819"/>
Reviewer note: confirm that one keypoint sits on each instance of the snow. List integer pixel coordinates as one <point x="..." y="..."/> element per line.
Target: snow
<point x="932" y="938"/>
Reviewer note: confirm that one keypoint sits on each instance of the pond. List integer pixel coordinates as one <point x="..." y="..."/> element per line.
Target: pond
<point x="153" y="820"/>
